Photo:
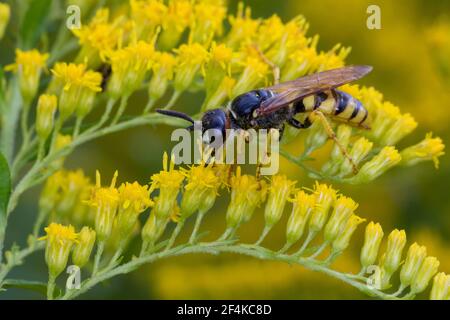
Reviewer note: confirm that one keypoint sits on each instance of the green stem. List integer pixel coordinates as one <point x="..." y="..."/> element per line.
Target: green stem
<point x="319" y="250"/>
<point x="198" y="222"/>
<point x="309" y="238"/>
<point x="121" y="110"/>
<point x="149" y="105"/>
<point x="50" y="287"/>
<point x="263" y="235"/>
<point x="175" y="95"/>
<point x="175" y="233"/>
<point x="98" y="256"/>
<point x="76" y="129"/>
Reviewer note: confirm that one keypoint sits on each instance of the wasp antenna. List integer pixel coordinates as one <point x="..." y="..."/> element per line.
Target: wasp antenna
<point x="175" y="114"/>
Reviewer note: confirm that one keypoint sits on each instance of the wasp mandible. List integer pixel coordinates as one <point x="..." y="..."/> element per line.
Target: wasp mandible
<point x="275" y="106"/>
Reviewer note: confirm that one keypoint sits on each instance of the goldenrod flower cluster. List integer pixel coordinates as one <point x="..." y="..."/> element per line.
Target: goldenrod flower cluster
<point x="320" y="213"/>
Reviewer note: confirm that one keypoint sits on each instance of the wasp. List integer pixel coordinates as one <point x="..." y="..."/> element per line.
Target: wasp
<point x="273" y="107"/>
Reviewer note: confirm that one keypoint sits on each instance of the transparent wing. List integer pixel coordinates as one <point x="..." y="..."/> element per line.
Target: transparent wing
<point x="292" y="91"/>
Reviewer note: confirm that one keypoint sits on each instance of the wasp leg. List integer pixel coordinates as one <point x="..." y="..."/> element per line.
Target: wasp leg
<point x="275" y="68"/>
<point x="323" y="119"/>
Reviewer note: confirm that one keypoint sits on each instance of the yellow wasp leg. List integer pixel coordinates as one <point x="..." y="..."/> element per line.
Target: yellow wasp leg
<point x="326" y="124"/>
<point x="275" y="68"/>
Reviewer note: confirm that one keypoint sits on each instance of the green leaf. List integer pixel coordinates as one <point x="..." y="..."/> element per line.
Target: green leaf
<point x="34" y="22"/>
<point x="36" y="286"/>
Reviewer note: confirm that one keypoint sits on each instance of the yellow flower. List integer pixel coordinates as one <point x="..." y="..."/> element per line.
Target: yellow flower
<point x="202" y="183"/>
<point x="426" y="271"/>
<point x="207" y="21"/>
<point x="97" y="37"/>
<point x="168" y="181"/>
<point x="60" y="240"/>
<point x="243" y="27"/>
<point x="269" y="31"/>
<point x="325" y="197"/>
<point x="246" y="195"/>
<point x="163" y="70"/>
<point x="392" y="258"/>
<point x="61" y="142"/>
<point x="414" y="259"/>
<point x="177" y="19"/>
<point x="147" y="15"/>
<point x="45" y="113"/>
<point x="428" y="149"/>
<point x="372" y="240"/>
<point x="191" y="58"/>
<point x="5" y="13"/>
<point x="344" y="208"/>
<point x="441" y="287"/>
<point x="129" y="66"/>
<point x="83" y="248"/>
<point x="279" y="191"/>
<point x="133" y="200"/>
<point x="51" y="194"/>
<point x="383" y="161"/>
<point x="75" y="184"/>
<point x="360" y="149"/>
<point x="303" y="205"/>
<point x="255" y="73"/>
<point x="403" y="125"/>
<point x="222" y="93"/>
<point x="28" y="66"/>
<point x="105" y="200"/>
<point x="343" y="239"/>
<point x="79" y="87"/>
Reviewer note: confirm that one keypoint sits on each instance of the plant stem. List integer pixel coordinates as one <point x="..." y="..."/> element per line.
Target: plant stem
<point x="175" y="95"/>
<point x="50" y="287"/>
<point x="263" y="235"/>
<point x="76" y="129"/>
<point x="149" y="105"/>
<point x="198" y="222"/>
<point x="175" y="233"/>
<point x="309" y="238"/>
<point x="121" y="110"/>
<point x="98" y="256"/>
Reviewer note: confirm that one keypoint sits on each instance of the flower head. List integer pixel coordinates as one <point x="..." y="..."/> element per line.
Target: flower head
<point x="279" y="191"/>
<point x="324" y="200"/>
<point x="344" y="208"/>
<point x="83" y="248"/>
<point x="60" y="240"/>
<point x="303" y="205"/>
<point x="343" y="239"/>
<point x="207" y="21"/>
<point x="46" y="109"/>
<point x="428" y="149"/>
<point x="28" y="66"/>
<point x="147" y="15"/>
<point x="255" y="73"/>
<point x="79" y="87"/>
<point x="105" y="200"/>
<point x="168" y="181"/>
<point x="174" y="22"/>
<point x="423" y="276"/>
<point x="163" y="71"/>
<point x="372" y="240"/>
<point x="201" y="183"/>
<point x="441" y="287"/>
<point x="129" y="67"/>
<point x="191" y="58"/>
<point x="243" y="27"/>
<point x="414" y="259"/>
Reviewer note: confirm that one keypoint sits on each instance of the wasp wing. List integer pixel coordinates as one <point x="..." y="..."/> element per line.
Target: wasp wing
<point x="292" y="91"/>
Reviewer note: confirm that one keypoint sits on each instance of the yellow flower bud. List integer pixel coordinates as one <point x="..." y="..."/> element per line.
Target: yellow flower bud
<point x="61" y="142"/>
<point x="393" y="256"/>
<point x="169" y="182"/>
<point x="74" y="184"/>
<point x="191" y="58"/>
<point x="45" y="115"/>
<point x="316" y="137"/>
<point x="5" y="13"/>
<point x="207" y="21"/>
<point x="359" y="151"/>
<point x="343" y="239"/>
<point x="343" y="135"/>
<point x="174" y="22"/>
<point x="427" y="270"/>
<point x="133" y="200"/>
<point x="60" y="240"/>
<point x="163" y="70"/>
<point x="372" y="240"/>
<point x="254" y="74"/>
<point x="414" y="259"/>
<point x="245" y="197"/>
<point x="303" y="205"/>
<point x="106" y="201"/>
<point x="243" y="27"/>
<point x="402" y="126"/>
<point x="83" y="248"/>
<point x="343" y="209"/>
<point x="279" y="192"/>
<point x="325" y="197"/>
<point x="51" y="192"/>
<point x="441" y="285"/>
<point x="383" y="161"/>
<point x="153" y="228"/>
<point x="428" y="149"/>
<point x="28" y="66"/>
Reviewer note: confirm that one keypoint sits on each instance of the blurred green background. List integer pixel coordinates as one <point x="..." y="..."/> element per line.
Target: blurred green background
<point x="411" y="59"/>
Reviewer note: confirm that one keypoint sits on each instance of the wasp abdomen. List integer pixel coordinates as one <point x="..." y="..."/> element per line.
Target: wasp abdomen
<point x="350" y="109"/>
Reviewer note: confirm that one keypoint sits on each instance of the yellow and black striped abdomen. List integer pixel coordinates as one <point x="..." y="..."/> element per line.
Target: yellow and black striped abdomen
<point x="337" y="104"/>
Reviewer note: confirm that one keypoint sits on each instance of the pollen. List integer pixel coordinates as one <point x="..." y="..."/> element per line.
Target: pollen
<point x="74" y="75"/>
